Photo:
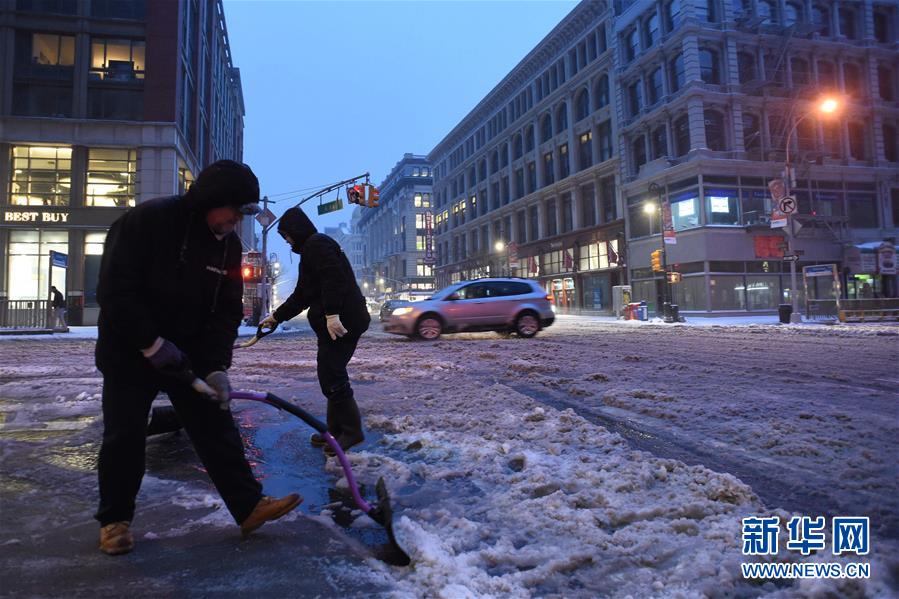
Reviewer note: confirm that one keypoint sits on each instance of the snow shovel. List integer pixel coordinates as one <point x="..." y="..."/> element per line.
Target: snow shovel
<point x="381" y="512"/>
<point x="260" y="333"/>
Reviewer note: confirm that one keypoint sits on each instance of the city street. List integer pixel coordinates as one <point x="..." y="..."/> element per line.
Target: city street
<point x="598" y="459"/>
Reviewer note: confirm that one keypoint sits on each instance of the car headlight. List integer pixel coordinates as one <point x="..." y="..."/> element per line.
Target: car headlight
<point x="401" y="311"/>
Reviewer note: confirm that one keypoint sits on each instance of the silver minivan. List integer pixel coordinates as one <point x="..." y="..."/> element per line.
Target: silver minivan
<point x="513" y="305"/>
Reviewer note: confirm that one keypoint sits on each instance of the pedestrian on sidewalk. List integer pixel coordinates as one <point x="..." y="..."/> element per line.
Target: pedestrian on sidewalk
<point x="338" y="315"/>
<point x="58" y="303"/>
<point x="170" y="294"/>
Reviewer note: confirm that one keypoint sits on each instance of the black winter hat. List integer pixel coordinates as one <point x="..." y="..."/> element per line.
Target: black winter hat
<point x="226" y="183"/>
<point x="296" y="224"/>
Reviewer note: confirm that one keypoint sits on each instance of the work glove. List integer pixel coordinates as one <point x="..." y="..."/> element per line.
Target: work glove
<point x="268" y="322"/>
<point x="167" y="359"/>
<point x="221" y="386"/>
<point x="335" y="327"/>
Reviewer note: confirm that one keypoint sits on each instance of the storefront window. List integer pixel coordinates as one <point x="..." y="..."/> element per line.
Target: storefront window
<point x="685" y="210"/>
<point x="690" y="293"/>
<point x="727" y="292"/>
<point x="721" y="206"/>
<point x="111" y="175"/>
<point x="596" y="293"/>
<point x="762" y="292"/>
<point x="93" y="253"/>
<point x="41" y="176"/>
<point x="755" y="209"/>
<point x="29" y="263"/>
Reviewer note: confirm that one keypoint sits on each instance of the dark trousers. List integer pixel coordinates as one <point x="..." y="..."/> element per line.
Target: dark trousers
<point x="126" y="405"/>
<point x="332" y="359"/>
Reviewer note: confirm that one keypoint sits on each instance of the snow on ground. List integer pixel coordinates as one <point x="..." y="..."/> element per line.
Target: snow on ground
<point x="599" y="459"/>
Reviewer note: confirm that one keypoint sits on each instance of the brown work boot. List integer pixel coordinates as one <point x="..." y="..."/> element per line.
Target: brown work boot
<point x="267" y="509"/>
<point x="116" y="538"/>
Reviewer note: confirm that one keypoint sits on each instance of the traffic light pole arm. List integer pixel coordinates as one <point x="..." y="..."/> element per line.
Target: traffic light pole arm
<point x="320" y="192"/>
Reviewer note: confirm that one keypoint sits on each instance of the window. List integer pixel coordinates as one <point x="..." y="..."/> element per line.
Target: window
<point x="561" y="117"/>
<point x="582" y="105"/>
<point x="548" y="167"/>
<point x="885" y="83"/>
<point x="685" y="210"/>
<point x="521" y="226"/>
<point x="827" y="77"/>
<point x="517" y="148"/>
<point x="638" y="153"/>
<point x="767" y="10"/>
<point x="682" y="136"/>
<point x="651" y="30"/>
<point x="747" y="67"/>
<point x="494" y="163"/>
<point x="546" y="128"/>
<point x="792" y="14"/>
<point x="551" y="222"/>
<point x="482" y="170"/>
<point x="503" y="156"/>
<point x="35" y="99"/>
<point x="567" y="216"/>
<point x="29" y="261"/>
<point x="564" y="167"/>
<point x="857" y="141"/>
<point x="848" y="26"/>
<point x="635" y="98"/>
<point x="852" y="79"/>
<point x="821" y="19"/>
<point x="659" y="143"/>
<point x="588" y="207"/>
<point x="677" y="72"/>
<point x="533" y="222"/>
<point x="752" y="135"/>
<point x="609" y="204"/>
<point x="831" y="146"/>
<point x="133" y="9"/>
<point x="532" y="177"/>
<point x="755" y="206"/>
<point x="631" y="45"/>
<point x="66" y="7"/>
<point x="605" y="140"/>
<point x="601" y="92"/>
<point x="882" y="26"/>
<point x="715" y="135"/>
<point x="800" y="70"/>
<point x="529" y="139"/>
<point x="721" y="206"/>
<point x="111" y="177"/>
<point x="862" y="211"/>
<point x="117" y="60"/>
<point x="52" y="50"/>
<point x="656" y="91"/>
<point x="93" y="253"/>
<point x="672" y="15"/>
<point x="41" y="176"/>
<point x="707" y="10"/>
<point x="709" y="70"/>
<point x="890" y="135"/>
<point x="519" y="183"/>
<point x="585" y="152"/>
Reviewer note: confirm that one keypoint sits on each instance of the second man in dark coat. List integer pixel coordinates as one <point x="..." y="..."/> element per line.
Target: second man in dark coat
<point x="337" y="313"/>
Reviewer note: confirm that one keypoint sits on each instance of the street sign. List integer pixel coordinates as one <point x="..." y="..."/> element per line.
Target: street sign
<point x="787" y="205"/>
<point x="265" y="218"/>
<point x="795" y="225"/>
<point x="330" y="206"/>
<point x="790" y="258"/>
<point x="59" y="259"/>
<point x="821" y="270"/>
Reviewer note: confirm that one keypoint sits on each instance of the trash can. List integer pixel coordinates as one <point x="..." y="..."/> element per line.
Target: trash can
<point x="644" y="311"/>
<point x="673" y="315"/>
<point x="784" y="311"/>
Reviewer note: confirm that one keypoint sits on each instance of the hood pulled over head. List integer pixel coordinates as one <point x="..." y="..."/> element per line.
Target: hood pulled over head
<point x="225" y="183"/>
<point x="296" y="224"/>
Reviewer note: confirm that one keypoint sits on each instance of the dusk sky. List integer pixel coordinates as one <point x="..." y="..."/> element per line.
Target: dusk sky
<point x="337" y="89"/>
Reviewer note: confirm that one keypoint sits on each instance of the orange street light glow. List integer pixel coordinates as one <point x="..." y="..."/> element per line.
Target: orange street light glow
<point x="829" y="106"/>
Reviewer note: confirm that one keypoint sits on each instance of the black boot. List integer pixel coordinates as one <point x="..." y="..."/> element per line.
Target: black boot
<point x="344" y="418"/>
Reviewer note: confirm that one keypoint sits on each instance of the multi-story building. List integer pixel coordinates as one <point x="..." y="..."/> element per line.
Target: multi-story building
<point x="103" y="104"/>
<point x="396" y="235"/>
<point x="690" y="102"/>
<point x="350" y="241"/>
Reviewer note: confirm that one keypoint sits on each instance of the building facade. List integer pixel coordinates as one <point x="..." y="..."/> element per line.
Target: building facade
<point x="103" y="105"/>
<point x="350" y="242"/>
<point x="397" y="234"/>
<point x="689" y="104"/>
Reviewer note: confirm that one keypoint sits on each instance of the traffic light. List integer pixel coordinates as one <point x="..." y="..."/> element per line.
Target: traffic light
<point x="356" y="195"/>
<point x="247" y="272"/>
<point x="674" y="277"/>
<point x="656" y="257"/>
<point x="373" y="196"/>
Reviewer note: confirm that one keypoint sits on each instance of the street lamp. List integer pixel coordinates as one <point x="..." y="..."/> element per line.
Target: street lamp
<point x="500" y="247"/>
<point x="825" y="107"/>
<point x="649" y="208"/>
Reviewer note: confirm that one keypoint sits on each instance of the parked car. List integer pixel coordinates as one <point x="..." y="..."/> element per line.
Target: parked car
<point x="513" y="305"/>
<point x="388" y="307"/>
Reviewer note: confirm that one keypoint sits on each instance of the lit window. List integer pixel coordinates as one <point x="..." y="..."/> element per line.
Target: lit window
<point x="117" y="60"/>
<point x="111" y="177"/>
<point x="41" y="176"/>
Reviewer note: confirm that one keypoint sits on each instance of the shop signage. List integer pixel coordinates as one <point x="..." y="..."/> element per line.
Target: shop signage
<point x="886" y="260"/>
<point x="513" y="254"/>
<point x="669" y="236"/>
<point x="821" y="270"/>
<point x="27" y="216"/>
<point x="868" y="262"/>
<point x="429" y="238"/>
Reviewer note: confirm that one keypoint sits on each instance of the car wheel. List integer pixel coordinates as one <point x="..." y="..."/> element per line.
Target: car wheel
<point x="429" y="328"/>
<point x="527" y="325"/>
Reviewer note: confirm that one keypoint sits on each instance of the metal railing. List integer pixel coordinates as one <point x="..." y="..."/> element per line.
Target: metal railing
<point x="25" y="314"/>
<point x="869" y="309"/>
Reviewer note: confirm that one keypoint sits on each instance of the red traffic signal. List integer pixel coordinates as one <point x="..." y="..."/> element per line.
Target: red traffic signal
<point x="356" y="195"/>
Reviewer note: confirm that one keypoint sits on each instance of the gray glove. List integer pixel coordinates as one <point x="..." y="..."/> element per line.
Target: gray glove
<point x="220" y="384"/>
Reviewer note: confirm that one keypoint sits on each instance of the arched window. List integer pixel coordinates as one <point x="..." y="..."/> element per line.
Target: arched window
<point x="792" y="14"/>
<point x="517" y="147"/>
<point x="677" y="73"/>
<point x="714" y="130"/>
<point x="848" y="25"/>
<point x="651" y="31"/>
<point x="602" y="92"/>
<point x="656" y="91"/>
<point x="709" y="70"/>
<point x="767" y="10"/>
<point x="747" y="67"/>
<point x="682" y="136"/>
<point x="631" y="45"/>
<point x="546" y="128"/>
<point x="638" y="153"/>
<point x="821" y="19"/>
<point x="659" y="143"/>
<point x="528" y="138"/>
<point x="752" y="133"/>
<point x="494" y="162"/>
<point x="672" y="15"/>
<point x="582" y="105"/>
<point x="561" y="117"/>
<point x="707" y="10"/>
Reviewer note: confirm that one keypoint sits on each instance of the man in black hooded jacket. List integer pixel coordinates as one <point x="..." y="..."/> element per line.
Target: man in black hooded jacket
<point x="338" y="315"/>
<point x="170" y="295"/>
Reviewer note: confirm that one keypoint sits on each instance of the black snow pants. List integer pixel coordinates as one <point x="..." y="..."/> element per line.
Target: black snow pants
<point x="343" y="416"/>
<point x="126" y="405"/>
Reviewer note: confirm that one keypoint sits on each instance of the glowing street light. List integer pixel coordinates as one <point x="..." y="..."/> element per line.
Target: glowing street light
<point x="499" y="246"/>
<point x="829" y="105"/>
<point x="649" y="208"/>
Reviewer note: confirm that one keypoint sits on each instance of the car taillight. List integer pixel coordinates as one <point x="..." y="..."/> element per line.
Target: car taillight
<point x="549" y="296"/>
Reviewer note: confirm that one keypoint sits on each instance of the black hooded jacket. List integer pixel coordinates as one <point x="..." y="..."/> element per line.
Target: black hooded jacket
<point x="165" y="274"/>
<point x="326" y="284"/>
